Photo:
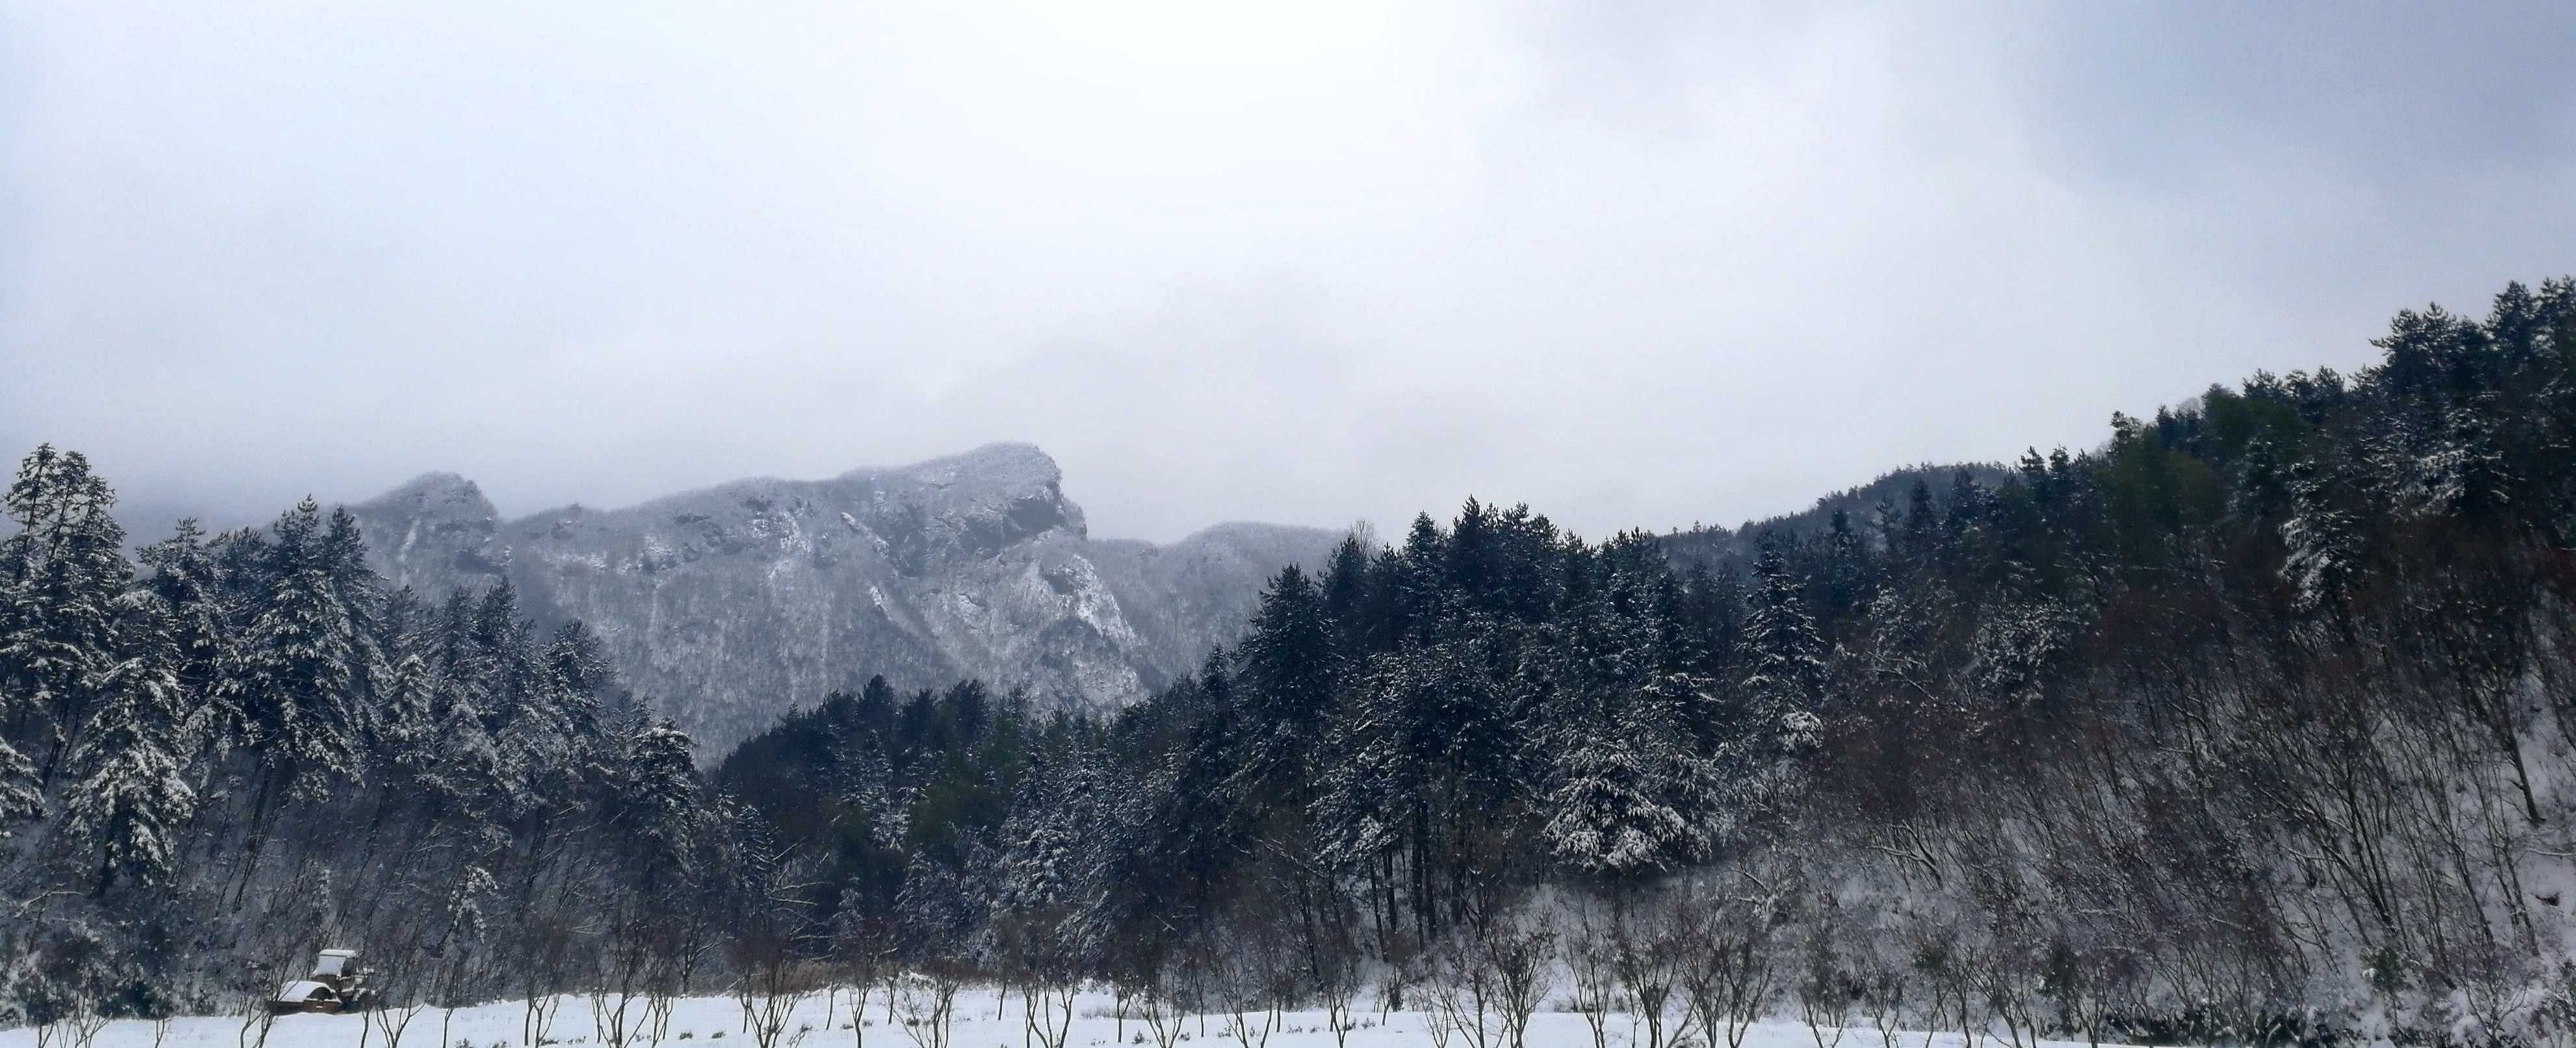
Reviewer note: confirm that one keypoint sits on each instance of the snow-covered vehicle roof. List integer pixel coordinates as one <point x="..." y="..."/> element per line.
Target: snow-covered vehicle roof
<point x="306" y="990"/>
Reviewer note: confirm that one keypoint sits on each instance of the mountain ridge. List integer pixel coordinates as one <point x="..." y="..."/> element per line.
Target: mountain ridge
<point x="728" y="604"/>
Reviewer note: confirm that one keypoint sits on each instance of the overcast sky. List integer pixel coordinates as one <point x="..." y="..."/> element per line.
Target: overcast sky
<point x="1637" y="264"/>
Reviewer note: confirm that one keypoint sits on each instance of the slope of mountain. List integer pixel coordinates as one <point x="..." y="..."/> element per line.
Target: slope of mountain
<point x="729" y="604"/>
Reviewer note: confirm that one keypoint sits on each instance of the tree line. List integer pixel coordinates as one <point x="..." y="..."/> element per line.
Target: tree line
<point x="2251" y="723"/>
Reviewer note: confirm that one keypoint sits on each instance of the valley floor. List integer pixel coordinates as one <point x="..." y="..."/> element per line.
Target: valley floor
<point x="821" y="1023"/>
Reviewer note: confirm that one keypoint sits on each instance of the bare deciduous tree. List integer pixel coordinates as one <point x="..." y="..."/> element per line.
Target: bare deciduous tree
<point x="1518" y="951"/>
<point x="927" y="1003"/>
<point x="1648" y="944"/>
<point x="1728" y="972"/>
<point x="1591" y="961"/>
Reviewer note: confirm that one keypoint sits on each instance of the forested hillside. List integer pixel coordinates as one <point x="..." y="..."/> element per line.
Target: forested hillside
<point x="247" y="748"/>
<point x="2255" y="722"/>
<point x="2251" y="723"/>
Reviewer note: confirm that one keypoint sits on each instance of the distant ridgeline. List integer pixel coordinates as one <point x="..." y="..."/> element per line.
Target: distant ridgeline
<point x="2252" y="723"/>
<point x="731" y="603"/>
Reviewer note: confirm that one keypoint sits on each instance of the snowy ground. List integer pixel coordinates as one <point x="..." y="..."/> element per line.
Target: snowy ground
<point x="719" y="1020"/>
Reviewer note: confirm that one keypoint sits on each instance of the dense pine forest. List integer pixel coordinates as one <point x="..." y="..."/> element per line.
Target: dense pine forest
<point x="2255" y="723"/>
<point x="245" y="748"/>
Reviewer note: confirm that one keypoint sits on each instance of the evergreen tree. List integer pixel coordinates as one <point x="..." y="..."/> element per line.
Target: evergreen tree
<point x="2464" y="476"/>
<point x="2320" y="541"/>
<point x="299" y="666"/>
<point x="20" y="799"/>
<point x="402" y="729"/>
<point x="63" y="572"/>
<point x="1288" y="670"/>
<point x="1288" y="655"/>
<point x="1785" y="670"/>
<point x="2262" y="482"/>
<point x="467" y="766"/>
<point x="131" y="795"/>
<point x="1367" y="797"/>
<point x="1345" y="595"/>
<point x="504" y="668"/>
<point x="1922" y="532"/>
<point x="1627" y="801"/>
<point x="1844" y="570"/>
<point x="660" y="806"/>
<point x="1044" y="862"/>
<point x="190" y="583"/>
<point x="576" y="673"/>
<point x="2018" y="643"/>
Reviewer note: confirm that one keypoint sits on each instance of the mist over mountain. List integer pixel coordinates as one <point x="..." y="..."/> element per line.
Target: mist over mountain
<point x="725" y="606"/>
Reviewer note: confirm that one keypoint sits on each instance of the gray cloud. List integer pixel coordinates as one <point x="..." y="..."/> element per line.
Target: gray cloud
<point x="1636" y="264"/>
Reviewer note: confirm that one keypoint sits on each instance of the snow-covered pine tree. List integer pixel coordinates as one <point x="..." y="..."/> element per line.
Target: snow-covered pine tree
<point x="1627" y="800"/>
<point x="463" y="772"/>
<point x="1620" y="792"/>
<point x="467" y="761"/>
<point x="2321" y="548"/>
<point x="405" y="726"/>
<point x="938" y="912"/>
<point x="508" y="671"/>
<point x="1602" y="817"/>
<point x="1785" y="671"/>
<point x="1712" y="609"/>
<point x="576" y="665"/>
<point x="190" y="582"/>
<point x="131" y="794"/>
<point x="20" y="800"/>
<point x="864" y="783"/>
<point x="63" y="570"/>
<point x="2018" y="642"/>
<point x="1376" y="777"/>
<point x="1198" y="799"/>
<point x="1050" y="865"/>
<point x="2463" y="475"/>
<point x="299" y="665"/>
<point x="532" y="718"/>
<point x="343" y="558"/>
<point x="660" y="800"/>
<point x="1908" y="631"/>
<point x="452" y="649"/>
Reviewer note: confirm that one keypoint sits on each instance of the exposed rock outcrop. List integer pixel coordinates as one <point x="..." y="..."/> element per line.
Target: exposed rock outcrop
<point x="725" y="606"/>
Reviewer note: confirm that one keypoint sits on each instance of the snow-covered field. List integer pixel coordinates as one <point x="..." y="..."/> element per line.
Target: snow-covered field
<point x="700" y="1020"/>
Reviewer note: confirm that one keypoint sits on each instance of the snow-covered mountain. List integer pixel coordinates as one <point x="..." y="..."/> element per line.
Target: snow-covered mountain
<point x="728" y="605"/>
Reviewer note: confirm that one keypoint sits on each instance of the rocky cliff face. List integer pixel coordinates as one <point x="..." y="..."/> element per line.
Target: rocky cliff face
<point x="727" y="605"/>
